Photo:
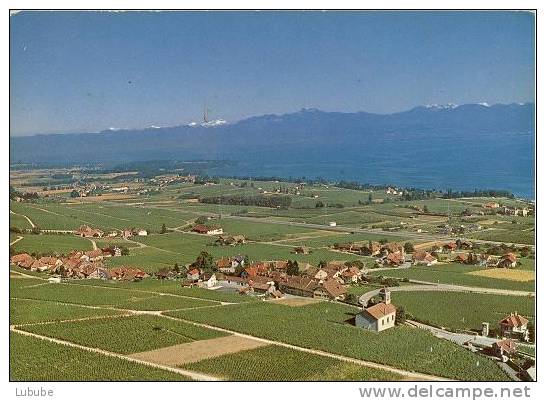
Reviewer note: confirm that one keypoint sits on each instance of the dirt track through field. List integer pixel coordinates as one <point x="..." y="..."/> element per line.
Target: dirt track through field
<point x="295" y="301"/>
<point x="196" y="351"/>
<point x="16" y="240"/>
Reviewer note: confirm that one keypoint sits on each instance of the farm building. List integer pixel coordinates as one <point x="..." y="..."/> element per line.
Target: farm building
<point x="449" y="247"/>
<point x="330" y="289"/>
<point x="301" y="250"/>
<point x="423" y="258"/>
<point x="224" y="265"/>
<point x="208" y="230"/>
<point x="231" y="240"/>
<point x="351" y="275"/>
<point x="379" y="317"/>
<point x="508" y="261"/>
<point x="504" y="349"/>
<point x="392" y="247"/>
<point x="209" y="281"/>
<point x="394" y="259"/>
<point x="193" y="274"/>
<point x="301" y="286"/>
<point x="88" y="232"/>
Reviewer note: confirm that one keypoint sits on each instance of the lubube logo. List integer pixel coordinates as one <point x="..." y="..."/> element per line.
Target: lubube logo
<point x="33" y="392"/>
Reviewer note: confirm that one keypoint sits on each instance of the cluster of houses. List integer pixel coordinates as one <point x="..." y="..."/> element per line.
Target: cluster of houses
<point x="513" y="327"/>
<point x="389" y="254"/>
<point x="88" y="232"/>
<point x="509" y="211"/>
<point x="163" y="180"/>
<point x="79" y="265"/>
<point x="272" y="278"/>
<point x="394" y="191"/>
<point x="508" y="260"/>
<point x="393" y="254"/>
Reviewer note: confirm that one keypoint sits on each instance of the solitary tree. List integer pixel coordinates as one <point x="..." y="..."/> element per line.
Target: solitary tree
<point x="400" y="315"/>
<point x="351" y="299"/>
<point x="204" y="261"/>
<point x="163" y="229"/>
<point x="292" y="268"/>
<point x="408" y="247"/>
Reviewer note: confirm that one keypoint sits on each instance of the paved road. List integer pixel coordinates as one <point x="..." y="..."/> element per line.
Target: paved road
<point x="459" y="338"/>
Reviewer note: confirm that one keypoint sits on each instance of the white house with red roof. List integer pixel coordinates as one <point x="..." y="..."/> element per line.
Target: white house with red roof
<point x="381" y="316"/>
<point x="514" y="325"/>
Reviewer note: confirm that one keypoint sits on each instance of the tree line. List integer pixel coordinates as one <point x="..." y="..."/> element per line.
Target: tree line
<point x="273" y="201"/>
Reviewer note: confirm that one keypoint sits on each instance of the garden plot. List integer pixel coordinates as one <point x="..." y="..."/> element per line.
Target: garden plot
<point x="506" y="274"/>
<point x="181" y="354"/>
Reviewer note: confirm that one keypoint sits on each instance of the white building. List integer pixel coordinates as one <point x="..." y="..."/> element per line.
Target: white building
<point x="379" y="317"/>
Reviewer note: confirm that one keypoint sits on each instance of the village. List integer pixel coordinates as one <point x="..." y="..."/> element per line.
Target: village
<point x="281" y="279"/>
<point x="373" y="253"/>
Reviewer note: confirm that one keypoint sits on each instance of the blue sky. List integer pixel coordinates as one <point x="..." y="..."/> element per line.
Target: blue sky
<point x="88" y="71"/>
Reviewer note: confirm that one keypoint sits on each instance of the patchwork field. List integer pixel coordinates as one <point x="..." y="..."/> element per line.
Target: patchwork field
<point x="467" y="313"/>
<point x="33" y="311"/>
<point x="33" y="359"/>
<point x="104" y="296"/>
<point x="274" y="363"/>
<point x="322" y="326"/>
<point x="125" y="335"/>
<point x="453" y="273"/>
<point x="161" y="322"/>
<point x="196" y="351"/>
<point x="52" y="244"/>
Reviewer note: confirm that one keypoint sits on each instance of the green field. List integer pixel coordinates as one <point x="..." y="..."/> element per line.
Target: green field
<point x="507" y="235"/>
<point x="52" y="244"/>
<point x="322" y="326"/>
<point x="33" y="359"/>
<point x="454" y="273"/>
<point x="18" y="221"/>
<point x="275" y="363"/>
<point x="462" y="311"/>
<point x="125" y="335"/>
<point x="128" y="317"/>
<point x="104" y="296"/>
<point x="33" y="311"/>
<point x="170" y="287"/>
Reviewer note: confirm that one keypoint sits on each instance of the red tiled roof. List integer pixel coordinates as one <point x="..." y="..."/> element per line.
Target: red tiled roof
<point x="381" y="310"/>
<point x="506" y="345"/>
<point x="334" y="288"/>
<point x="510" y="256"/>
<point x="223" y="263"/>
<point x="514" y="320"/>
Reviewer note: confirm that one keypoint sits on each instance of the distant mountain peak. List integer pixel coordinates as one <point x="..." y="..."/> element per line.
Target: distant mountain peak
<point x="448" y="106"/>
<point x="208" y="124"/>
